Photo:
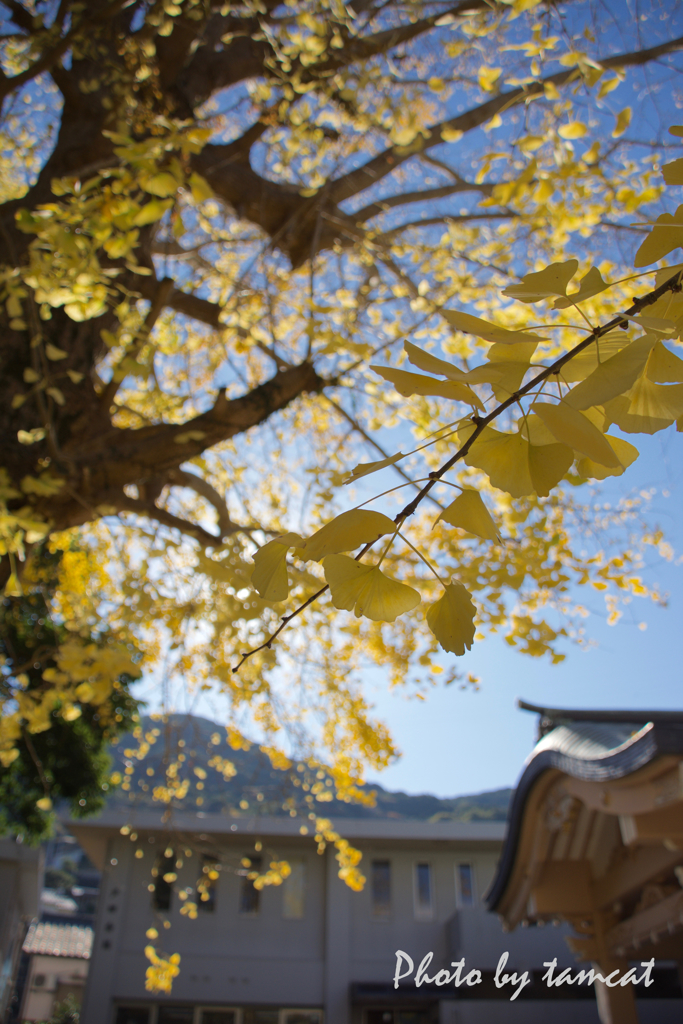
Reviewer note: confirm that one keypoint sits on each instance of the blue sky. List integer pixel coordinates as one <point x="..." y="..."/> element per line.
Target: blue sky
<point x="465" y="742"/>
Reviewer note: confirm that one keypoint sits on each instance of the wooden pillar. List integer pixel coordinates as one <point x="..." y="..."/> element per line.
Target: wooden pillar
<point x="615" y="1005"/>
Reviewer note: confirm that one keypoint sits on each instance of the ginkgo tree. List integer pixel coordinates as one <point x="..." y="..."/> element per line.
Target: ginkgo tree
<point x="221" y="224"/>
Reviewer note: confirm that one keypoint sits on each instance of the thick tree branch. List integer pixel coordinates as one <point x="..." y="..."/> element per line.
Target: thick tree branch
<point x="390" y="159"/>
<point x="51" y="56"/>
<point x="122" y="456"/>
<point x="152" y="511"/>
<point x="183" y="302"/>
<point x="19" y="15"/>
<point x="181" y="478"/>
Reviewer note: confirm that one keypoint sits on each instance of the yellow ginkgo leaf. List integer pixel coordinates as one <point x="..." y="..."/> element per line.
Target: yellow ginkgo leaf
<point x="489" y="332"/>
<point x="13" y="586"/>
<point x="408" y="384"/>
<point x="509" y="379"/>
<point x="432" y="364"/>
<point x="162" y="184"/>
<point x="613" y="376"/>
<point x="656" y="401"/>
<point x="658" y="324"/>
<point x="269" y="576"/>
<point x="152" y="211"/>
<point x="666" y="235"/>
<point x="469" y="512"/>
<point x="54" y="353"/>
<point x="451" y="619"/>
<point x="200" y="187"/>
<point x="365" y="468"/>
<point x="487" y="78"/>
<point x="625" y="452"/>
<point x="548" y="463"/>
<point x="365" y="590"/>
<point x="346" y="533"/>
<point x="590" y="285"/>
<point x="617" y="411"/>
<point x="663" y="367"/>
<point x="573" y="130"/>
<point x="582" y="365"/>
<point x="673" y="172"/>
<point x="623" y="121"/>
<point x="535" y="431"/>
<point x="544" y="284"/>
<point x="572" y="428"/>
<point x="505" y="459"/>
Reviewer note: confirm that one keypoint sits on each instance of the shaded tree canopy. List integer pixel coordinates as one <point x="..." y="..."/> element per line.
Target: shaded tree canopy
<point x="59" y="753"/>
<point x="215" y="218"/>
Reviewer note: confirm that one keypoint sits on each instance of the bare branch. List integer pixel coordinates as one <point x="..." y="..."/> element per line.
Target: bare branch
<point x="403" y="198"/>
<point x="378" y="447"/>
<point x="445" y="219"/>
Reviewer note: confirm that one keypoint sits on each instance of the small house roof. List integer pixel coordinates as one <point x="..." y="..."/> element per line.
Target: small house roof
<point x="59" y="940"/>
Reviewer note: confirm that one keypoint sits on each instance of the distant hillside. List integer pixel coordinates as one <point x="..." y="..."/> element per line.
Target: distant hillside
<point x="265" y="789"/>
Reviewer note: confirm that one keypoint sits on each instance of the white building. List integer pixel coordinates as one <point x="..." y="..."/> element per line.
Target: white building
<point x="310" y="949"/>
<point x="58" y="967"/>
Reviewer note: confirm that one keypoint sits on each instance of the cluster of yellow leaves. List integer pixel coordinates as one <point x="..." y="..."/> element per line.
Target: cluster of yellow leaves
<point x="347" y="856"/>
<point x="84" y="674"/>
<point x="278" y="871"/>
<point x="162" y="970"/>
<point x="633" y="382"/>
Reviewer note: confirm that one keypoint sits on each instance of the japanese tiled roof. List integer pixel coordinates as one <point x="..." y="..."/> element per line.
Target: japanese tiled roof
<point x="585" y="744"/>
<point x="59" y="940"/>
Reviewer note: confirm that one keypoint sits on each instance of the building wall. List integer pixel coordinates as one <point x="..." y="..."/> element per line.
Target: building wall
<point x="50" y="980"/>
<point x="233" y="959"/>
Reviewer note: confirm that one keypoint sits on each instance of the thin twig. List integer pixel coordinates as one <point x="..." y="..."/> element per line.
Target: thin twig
<point x="672" y="285"/>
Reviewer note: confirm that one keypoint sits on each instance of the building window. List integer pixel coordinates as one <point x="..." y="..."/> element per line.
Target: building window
<point x="293" y="890"/>
<point x="301" y="1017"/>
<point x="381" y="888"/>
<point x="206" y="884"/>
<point x="251" y="1015"/>
<point x="132" y="1015"/>
<point x="175" y="1015"/>
<point x="164" y="876"/>
<point x="219" y="1016"/>
<point x="423" y="891"/>
<point x="465" y="885"/>
<point x="250" y="896"/>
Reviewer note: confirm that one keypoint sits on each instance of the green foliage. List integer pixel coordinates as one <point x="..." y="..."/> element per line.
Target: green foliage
<point x="65" y="759"/>
<point x="66" y="1012"/>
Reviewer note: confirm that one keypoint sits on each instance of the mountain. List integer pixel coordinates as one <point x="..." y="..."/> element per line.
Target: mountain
<point x="204" y="764"/>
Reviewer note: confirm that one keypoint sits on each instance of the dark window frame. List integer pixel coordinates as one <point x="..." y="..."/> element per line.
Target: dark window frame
<point x="380" y="887"/>
<point x="250" y="896"/>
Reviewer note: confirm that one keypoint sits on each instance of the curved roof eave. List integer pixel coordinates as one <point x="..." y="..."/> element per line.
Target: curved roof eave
<point x="654" y="739"/>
